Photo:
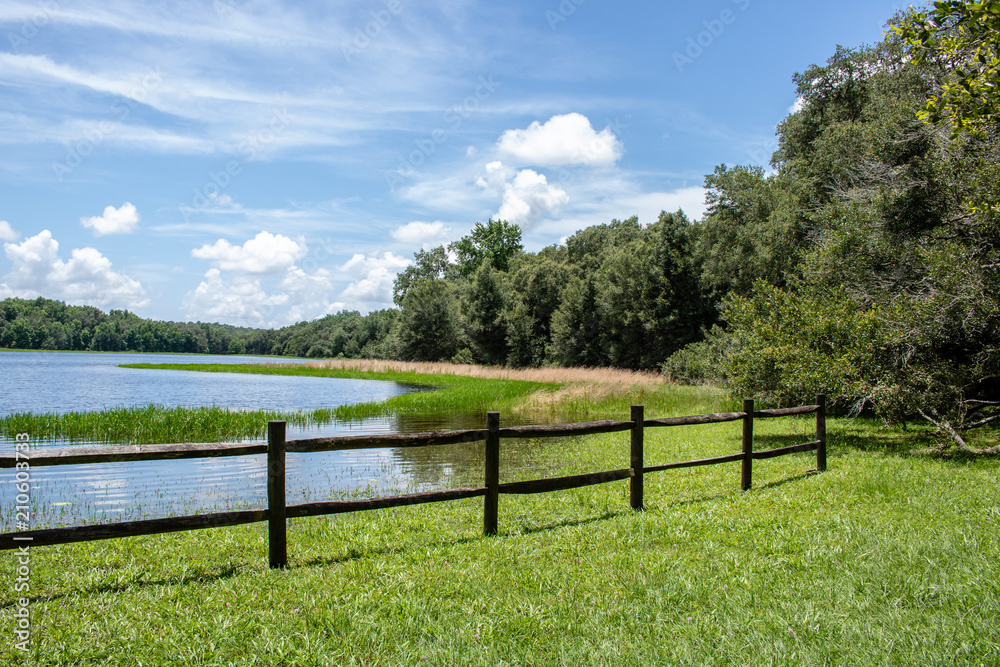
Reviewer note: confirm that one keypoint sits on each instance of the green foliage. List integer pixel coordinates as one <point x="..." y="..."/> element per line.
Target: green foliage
<point x="483" y="308"/>
<point x="961" y="37"/>
<point x="44" y="324"/>
<point x="785" y="345"/>
<point x="432" y="264"/>
<point x="536" y="283"/>
<point x="429" y="324"/>
<point x="52" y="325"/>
<point x="753" y="231"/>
<point x="892" y="304"/>
<point x="495" y="243"/>
<point x="700" y="362"/>
<point x="637" y="300"/>
<point x="576" y="326"/>
<point x="346" y="334"/>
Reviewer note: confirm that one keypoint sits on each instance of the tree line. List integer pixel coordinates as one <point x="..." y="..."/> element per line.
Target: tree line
<point x="45" y="324"/>
<point x="864" y="264"/>
<point x="867" y="265"/>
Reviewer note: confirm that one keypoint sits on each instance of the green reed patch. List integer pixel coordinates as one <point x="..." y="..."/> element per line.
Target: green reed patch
<point x="434" y="394"/>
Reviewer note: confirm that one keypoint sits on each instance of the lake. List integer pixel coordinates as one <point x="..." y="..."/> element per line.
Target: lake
<point x="83" y="494"/>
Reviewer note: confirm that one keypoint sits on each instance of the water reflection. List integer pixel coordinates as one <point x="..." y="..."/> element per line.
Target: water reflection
<point x="112" y="492"/>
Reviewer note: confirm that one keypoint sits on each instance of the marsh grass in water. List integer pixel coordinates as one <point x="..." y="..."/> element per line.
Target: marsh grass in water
<point x="546" y="395"/>
<point x="148" y="424"/>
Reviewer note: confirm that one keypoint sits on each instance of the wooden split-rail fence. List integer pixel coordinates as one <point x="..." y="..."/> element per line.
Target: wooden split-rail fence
<point x="277" y="512"/>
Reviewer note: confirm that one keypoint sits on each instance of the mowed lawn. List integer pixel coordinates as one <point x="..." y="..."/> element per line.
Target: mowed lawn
<point x="891" y="557"/>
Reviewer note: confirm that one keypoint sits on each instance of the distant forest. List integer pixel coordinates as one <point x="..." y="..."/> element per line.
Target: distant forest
<point x="865" y="263"/>
<point x="44" y="324"/>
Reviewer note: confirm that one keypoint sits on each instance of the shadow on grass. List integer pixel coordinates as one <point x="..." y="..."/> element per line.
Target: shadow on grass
<point x="725" y="494"/>
<point x="555" y="525"/>
<point x="223" y="573"/>
<point x="354" y="554"/>
<point x="917" y="440"/>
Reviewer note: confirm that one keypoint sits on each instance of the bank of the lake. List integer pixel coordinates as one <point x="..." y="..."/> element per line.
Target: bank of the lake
<point x="42" y="382"/>
<point x="428" y="399"/>
<point x="890" y="558"/>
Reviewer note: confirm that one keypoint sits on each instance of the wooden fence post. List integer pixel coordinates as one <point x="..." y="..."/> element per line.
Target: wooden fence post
<point x="821" y="432"/>
<point x="276" y="538"/>
<point x="492" y="499"/>
<point x="635" y="483"/>
<point x="747" y="481"/>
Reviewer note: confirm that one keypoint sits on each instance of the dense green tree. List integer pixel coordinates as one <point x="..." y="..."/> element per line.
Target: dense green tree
<point x="429" y="322"/>
<point x="496" y="243"/>
<point x="894" y="305"/>
<point x="960" y="38"/>
<point x="432" y="264"/>
<point x="576" y="326"/>
<point x="536" y="283"/>
<point x="681" y="307"/>
<point x="483" y="308"/>
<point x="753" y="230"/>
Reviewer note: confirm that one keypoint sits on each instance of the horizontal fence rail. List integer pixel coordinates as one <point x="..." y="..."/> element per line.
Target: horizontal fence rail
<point x="276" y="448"/>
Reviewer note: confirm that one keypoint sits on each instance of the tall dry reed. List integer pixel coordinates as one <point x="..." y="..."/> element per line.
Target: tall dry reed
<point x="604" y="376"/>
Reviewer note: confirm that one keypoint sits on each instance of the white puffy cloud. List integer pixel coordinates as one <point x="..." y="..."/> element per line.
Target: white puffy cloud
<point x="122" y="220"/>
<point x="239" y="301"/>
<point x="526" y="196"/>
<point x="372" y="280"/>
<point x="423" y="233"/>
<point x="309" y="294"/>
<point x="299" y="294"/>
<point x="7" y="233"/>
<point x="87" y="278"/>
<point x="561" y="141"/>
<point x="244" y="301"/>
<point x="263" y="254"/>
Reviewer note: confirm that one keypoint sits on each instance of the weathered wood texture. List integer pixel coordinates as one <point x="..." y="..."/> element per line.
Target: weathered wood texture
<point x="363" y="504"/>
<point x="119" y="453"/>
<point x="277" y="539"/>
<point x="561" y="483"/>
<point x="785" y="412"/>
<point x="128" y="529"/>
<point x="557" y="430"/>
<point x="635" y="488"/>
<point x="491" y="504"/>
<point x="427" y="439"/>
<point x="781" y="451"/>
<point x="746" y="471"/>
<point x="714" y="418"/>
<point x="692" y="464"/>
<point x="821" y="433"/>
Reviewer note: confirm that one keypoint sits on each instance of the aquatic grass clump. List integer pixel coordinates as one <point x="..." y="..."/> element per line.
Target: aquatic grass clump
<point x="444" y="388"/>
<point x="148" y="424"/>
<point x="575" y="395"/>
<point x="432" y="395"/>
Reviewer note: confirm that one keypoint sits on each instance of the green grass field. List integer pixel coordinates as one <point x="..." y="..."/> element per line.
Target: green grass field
<point x="891" y="557"/>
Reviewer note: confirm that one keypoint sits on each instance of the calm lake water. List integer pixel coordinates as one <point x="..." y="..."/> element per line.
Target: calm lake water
<point x="84" y="494"/>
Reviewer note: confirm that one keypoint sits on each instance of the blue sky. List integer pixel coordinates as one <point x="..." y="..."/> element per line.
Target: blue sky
<point x="260" y="163"/>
